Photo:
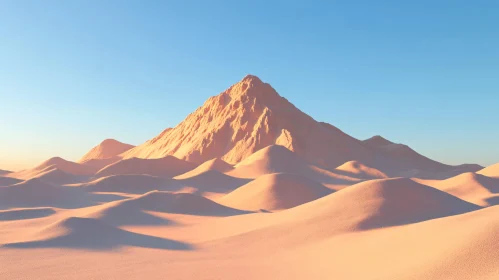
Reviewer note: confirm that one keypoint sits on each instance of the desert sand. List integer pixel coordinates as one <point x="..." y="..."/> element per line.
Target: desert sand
<point x="250" y="187"/>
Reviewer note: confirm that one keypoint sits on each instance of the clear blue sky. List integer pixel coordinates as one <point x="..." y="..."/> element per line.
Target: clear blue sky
<point x="423" y="73"/>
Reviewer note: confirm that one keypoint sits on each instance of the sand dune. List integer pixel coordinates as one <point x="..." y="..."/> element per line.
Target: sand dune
<point x="108" y="148"/>
<point x="55" y="163"/>
<point x="36" y="193"/>
<point x="87" y="233"/>
<point x="101" y="163"/>
<point x="275" y="192"/>
<point x="293" y="199"/>
<point x="358" y="170"/>
<point x="7" y="181"/>
<point x="278" y="159"/>
<point x="491" y="171"/>
<point x="211" y="165"/>
<point x="133" y="184"/>
<point x="339" y="256"/>
<point x="135" y="211"/>
<point x="472" y="187"/>
<point x="212" y="181"/>
<point x="57" y="176"/>
<point x="381" y="203"/>
<point x="168" y="166"/>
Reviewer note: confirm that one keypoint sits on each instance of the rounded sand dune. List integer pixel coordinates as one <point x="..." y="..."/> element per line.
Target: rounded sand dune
<point x="88" y="233"/>
<point x="57" y="176"/>
<point x="168" y="166"/>
<point x="472" y="187"/>
<point x="55" y="163"/>
<point x="490" y="171"/>
<point x="101" y="163"/>
<point x="275" y="192"/>
<point x="212" y="181"/>
<point x="37" y="193"/>
<point x="278" y="159"/>
<point x="382" y="203"/>
<point x="108" y="148"/>
<point x="135" y="184"/>
<point x="359" y="170"/>
<point x="135" y="211"/>
<point x="211" y="165"/>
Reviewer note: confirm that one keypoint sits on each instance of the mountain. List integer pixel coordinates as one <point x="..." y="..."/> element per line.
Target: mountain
<point x="108" y="148"/>
<point x="251" y="115"/>
<point x="408" y="163"/>
<point x="245" y="118"/>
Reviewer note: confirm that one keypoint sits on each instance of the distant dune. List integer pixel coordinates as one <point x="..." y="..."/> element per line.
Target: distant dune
<point x="134" y="184"/>
<point x="359" y="170"/>
<point x="134" y="211"/>
<point x="211" y="181"/>
<point x="210" y="165"/>
<point x="168" y="166"/>
<point x="472" y="187"/>
<point x="275" y="192"/>
<point x="107" y="149"/>
<point x="55" y="163"/>
<point x="491" y="171"/>
<point x="57" y="176"/>
<point x="101" y="163"/>
<point x="278" y="159"/>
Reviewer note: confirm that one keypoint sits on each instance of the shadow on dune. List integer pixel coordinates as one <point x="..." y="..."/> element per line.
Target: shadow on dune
<point x="91" y="234"/>
<point x="25" y="214"/>
<point x="492" y="201"/>
<point x="491" y="184"/>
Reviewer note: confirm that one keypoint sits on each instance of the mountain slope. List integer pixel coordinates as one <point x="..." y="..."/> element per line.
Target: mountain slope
<point x="251" y="115"/>
<point x="402" y="160"/>
<point x="245" y="118"/>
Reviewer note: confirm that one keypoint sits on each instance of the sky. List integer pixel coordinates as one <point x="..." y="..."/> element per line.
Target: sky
<point x="73" y="73"/>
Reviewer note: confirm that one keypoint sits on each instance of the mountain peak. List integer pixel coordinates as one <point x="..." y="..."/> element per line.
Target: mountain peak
<point x="251" y="78"/>
<point x="251" y="86"/>
<point x="377" y="141"/>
